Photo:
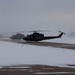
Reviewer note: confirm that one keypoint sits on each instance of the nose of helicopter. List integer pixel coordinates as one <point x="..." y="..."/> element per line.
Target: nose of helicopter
<point x="24" y="38"/>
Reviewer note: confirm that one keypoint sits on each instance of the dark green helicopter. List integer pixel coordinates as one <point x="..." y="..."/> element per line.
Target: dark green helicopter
<point x="36" y="36"/>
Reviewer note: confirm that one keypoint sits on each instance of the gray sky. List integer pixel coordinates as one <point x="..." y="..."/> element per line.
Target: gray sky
<point x="22" y="15"/>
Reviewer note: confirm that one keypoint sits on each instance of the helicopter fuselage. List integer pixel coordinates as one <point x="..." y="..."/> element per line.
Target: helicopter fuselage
<point x="39" y="37"/>
<point x="34" y="37"/>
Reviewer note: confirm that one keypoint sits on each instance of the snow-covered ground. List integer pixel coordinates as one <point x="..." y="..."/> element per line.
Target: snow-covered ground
<point x="14" y="53"/>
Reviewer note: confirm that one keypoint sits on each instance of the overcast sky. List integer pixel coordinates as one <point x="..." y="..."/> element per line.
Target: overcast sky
<point x="22" y="15"/>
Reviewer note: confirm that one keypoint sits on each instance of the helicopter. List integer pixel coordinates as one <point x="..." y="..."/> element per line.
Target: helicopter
<point x="17" y="36"/>
<point x="36" y="36"/>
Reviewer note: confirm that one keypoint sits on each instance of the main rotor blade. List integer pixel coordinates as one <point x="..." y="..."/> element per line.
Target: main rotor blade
<point x="39" y="31"/>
